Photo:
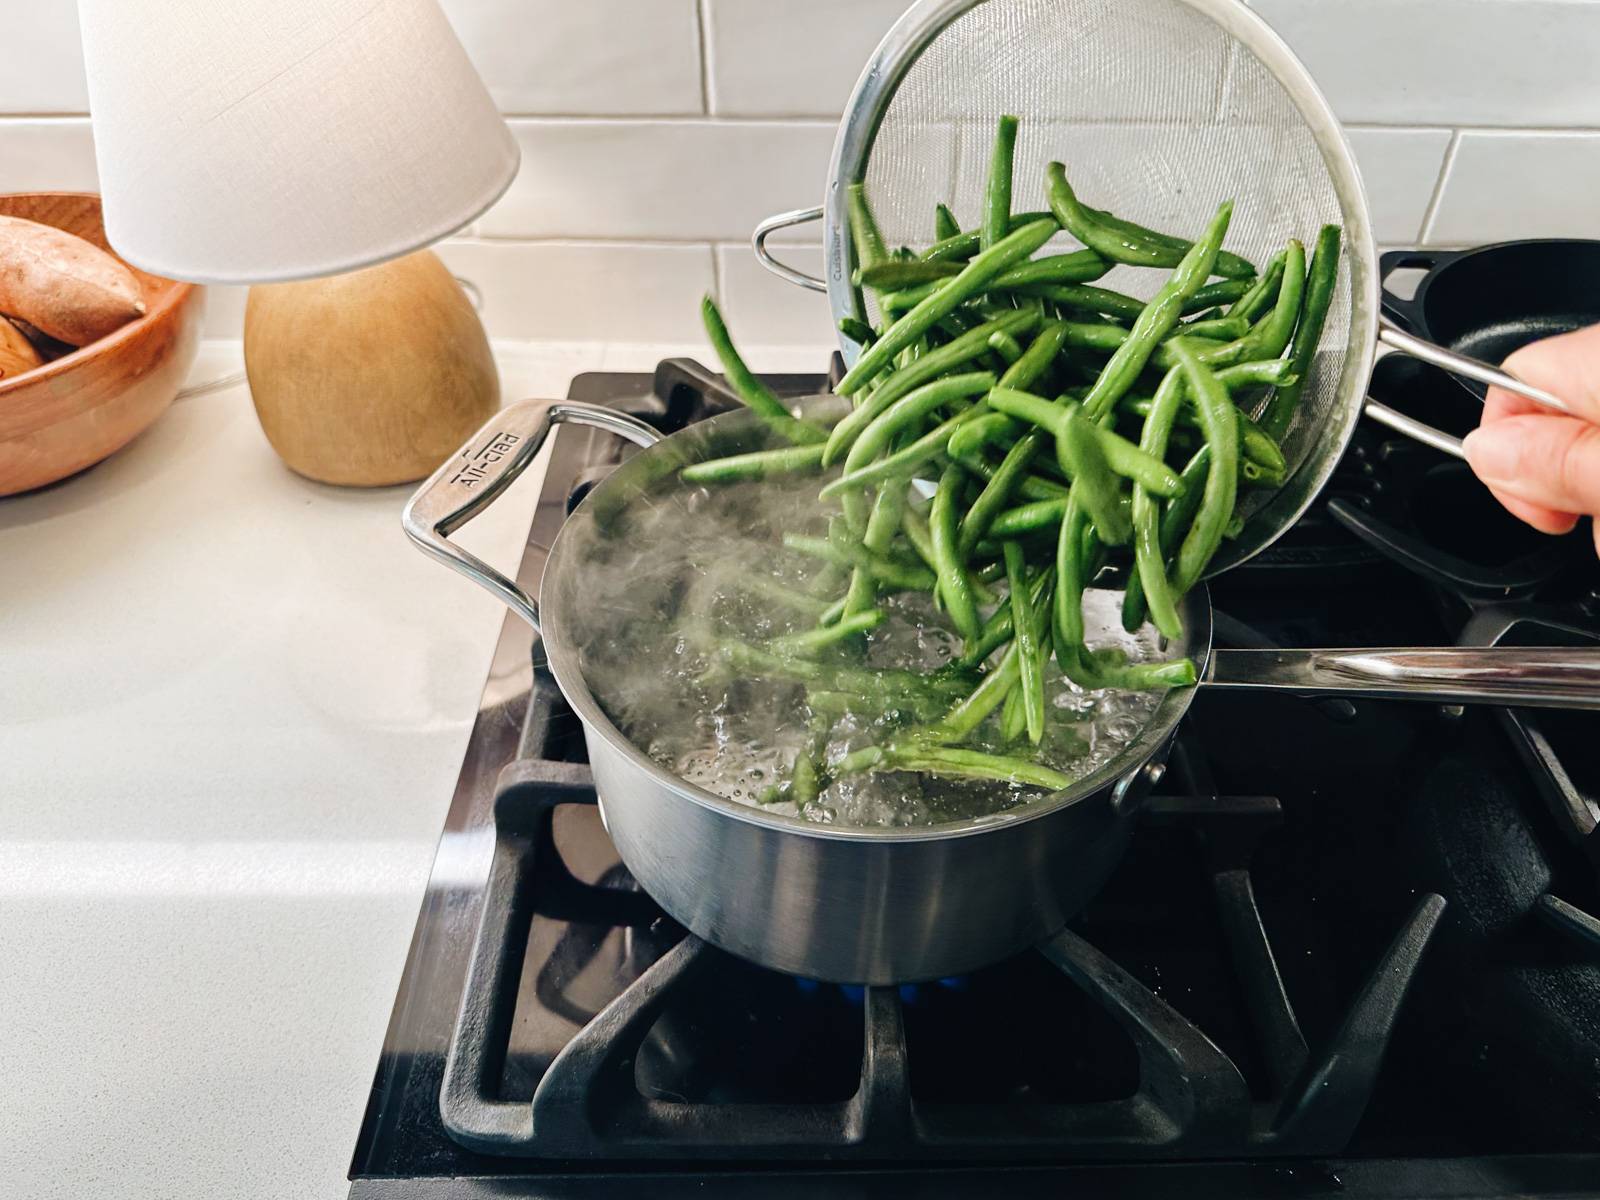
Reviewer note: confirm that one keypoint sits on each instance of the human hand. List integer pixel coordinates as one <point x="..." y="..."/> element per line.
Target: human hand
<point x="1544" y="466"/>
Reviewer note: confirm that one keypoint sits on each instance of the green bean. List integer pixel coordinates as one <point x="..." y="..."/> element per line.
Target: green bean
<point x="925" y="696"/>
<point x="1028" y="518"/>
<point x="1256" y="475"/>
<point x="1230" y="265"/>
<point x="903" y="463"/>
<point x="997" y="196"/>
<point x="1104" y="239"/>
<point x="868" y="241"/>
<point x="999" y="629"/>
<point x="758" y="464"/>
<point x="1222" y="479"/>
<point x="881" y="528"/>
<point x="834" y="611"/>
<point x="803" y="645"/>
<point x="1122" y="455"/>
<point x="1006" y="346"/>
<point x="857" y="331"/>
<point x="972" y="764"/>
<point x="1079" y="266"/>
<point x="910" y="409"/>
<point x="997" y="492"/>
<point x="1255" y="444"/>
<point x="1175" y="522"/>
<point x="1224" y="291"/>
<point x="908" y="298"/>
<point x="944" y="223"/>
<point x="1087" y="297"/>
<point x="1157" y="319"/>
<point x="1013" y="716"/>
<point x="1148" y="556"/>
<point x="921" y="539"/>
<point x="968" y="714"/>
<point x="759" y="398"/>
<point x="954" y="584"/>
<point x="1093" y="482"/>
<point x="774" y="592"/>
<point x="894" y="276"/>
<point x="1270" y="336"/>
<point x="1222" y="329"/>
<point x="1324" y="274"/>
<point x="1011" y="249"/>
<point x="883" y="569"/>
<point x="927" y="368"/>
<point x="1262" y="293"/>
<point x="1022" y="620"/>
<point x="1032" y="487"/>
<point x="962" y="246"/>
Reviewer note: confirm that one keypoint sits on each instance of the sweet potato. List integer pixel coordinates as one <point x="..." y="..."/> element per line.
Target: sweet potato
<point x="17" y="353"/>
<point x="62" y="285"/>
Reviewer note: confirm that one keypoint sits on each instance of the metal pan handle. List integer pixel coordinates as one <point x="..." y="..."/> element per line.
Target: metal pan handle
<point x="490" y="462"/>
<point x="1414" y="429"/>
<point x="1398" y="340"/>
<point x="1567" y="677"/>
<point x="787" y="220"/>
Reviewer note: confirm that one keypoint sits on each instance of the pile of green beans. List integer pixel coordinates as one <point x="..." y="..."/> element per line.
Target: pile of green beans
<point x="1015" y="424"/>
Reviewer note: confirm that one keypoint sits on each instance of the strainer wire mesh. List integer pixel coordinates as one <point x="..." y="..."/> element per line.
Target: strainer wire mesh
<point x="1159" y="113"/>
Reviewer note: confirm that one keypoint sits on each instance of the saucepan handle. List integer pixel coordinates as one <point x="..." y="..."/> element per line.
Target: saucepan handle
<point x="469" y="481"/>
<point x="1561" y="677"/>
<point x="758" y="241"/>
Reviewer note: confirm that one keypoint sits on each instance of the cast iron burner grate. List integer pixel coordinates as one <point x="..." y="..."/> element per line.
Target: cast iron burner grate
<point x="1191" y="1100"/>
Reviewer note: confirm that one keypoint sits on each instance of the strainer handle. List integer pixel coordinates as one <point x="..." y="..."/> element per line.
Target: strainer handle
<point x="490" y="462"/>
<point x="1415" y="430"/>
<point x="1398" y="340"/>
<point x="786" y="220"/>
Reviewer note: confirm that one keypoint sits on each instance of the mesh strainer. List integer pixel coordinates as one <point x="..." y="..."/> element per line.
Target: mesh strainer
<point x="1160" y="109"/>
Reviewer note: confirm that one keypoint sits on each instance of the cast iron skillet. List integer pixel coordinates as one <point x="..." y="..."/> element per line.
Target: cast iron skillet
<point x="1493" y="300"/>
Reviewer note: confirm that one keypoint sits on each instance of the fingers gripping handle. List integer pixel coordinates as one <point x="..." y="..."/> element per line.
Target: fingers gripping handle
<point x="490" y="462"/>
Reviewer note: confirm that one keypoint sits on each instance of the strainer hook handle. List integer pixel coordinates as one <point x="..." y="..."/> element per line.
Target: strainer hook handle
<point x="786" y="220"/>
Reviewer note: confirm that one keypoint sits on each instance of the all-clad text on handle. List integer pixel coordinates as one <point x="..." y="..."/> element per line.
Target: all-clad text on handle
<point x="468" y="482"/>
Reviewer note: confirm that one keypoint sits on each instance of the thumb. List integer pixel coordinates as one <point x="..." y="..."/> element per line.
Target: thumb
<point x="1567" y="366"/>
<point x="1544" y="459"/>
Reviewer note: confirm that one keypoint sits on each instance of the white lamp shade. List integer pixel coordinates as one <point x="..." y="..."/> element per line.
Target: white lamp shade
<point x="250" y="141"/>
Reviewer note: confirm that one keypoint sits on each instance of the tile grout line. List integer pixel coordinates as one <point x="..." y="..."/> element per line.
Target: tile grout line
<point x="702" y="14"/>
<point x="1432" y="211"/>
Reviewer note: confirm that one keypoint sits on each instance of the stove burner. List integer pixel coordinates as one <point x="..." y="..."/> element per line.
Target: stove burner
<point x="636" y="1080"/>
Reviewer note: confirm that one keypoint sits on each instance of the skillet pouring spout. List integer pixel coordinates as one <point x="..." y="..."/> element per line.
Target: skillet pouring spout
<point x="1565" y="677"/>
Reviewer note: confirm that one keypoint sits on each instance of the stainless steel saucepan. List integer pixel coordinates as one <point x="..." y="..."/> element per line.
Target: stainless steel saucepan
<point x="883" y="906"/>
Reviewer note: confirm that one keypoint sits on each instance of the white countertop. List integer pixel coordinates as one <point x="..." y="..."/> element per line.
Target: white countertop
<point x="233" y="705"/>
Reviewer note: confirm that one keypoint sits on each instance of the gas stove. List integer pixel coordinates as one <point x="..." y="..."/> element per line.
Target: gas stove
<point x="1352" y="951"/>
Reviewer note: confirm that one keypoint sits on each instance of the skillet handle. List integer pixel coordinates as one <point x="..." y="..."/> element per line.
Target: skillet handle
<point x="490" y="462"/>
<point x="1407" y="312"/>
<point x="1566" y="677"/>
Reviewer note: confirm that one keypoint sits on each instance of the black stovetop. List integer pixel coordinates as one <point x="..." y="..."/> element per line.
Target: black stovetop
<point x="1349" y="952"/>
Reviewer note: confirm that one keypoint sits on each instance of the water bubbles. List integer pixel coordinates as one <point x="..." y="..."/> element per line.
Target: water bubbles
<point x="686" y="567"/>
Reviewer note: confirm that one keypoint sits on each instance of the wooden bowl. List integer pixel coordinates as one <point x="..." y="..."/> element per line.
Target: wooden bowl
<point x="69" y="414"/>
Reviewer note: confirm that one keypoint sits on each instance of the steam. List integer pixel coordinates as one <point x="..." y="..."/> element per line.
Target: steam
<point x="681" y="569"/>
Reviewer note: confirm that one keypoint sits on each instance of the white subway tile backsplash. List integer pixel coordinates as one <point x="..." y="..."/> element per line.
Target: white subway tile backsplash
<point x="706" y="180"/>
<point x="1449" y="62"/>
<point x="1504" y="185"/>
<point x="47" y="155"/>
<point x="1400" y="168"/>
<point x="558" y="291"/>
<point x="762" y="309"/>
<point x="41" y="62"/>
<point x="800" y="59"/>
<point x="599" y="57"/>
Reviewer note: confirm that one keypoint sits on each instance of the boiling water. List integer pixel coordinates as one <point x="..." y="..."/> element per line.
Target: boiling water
<point x="686" y="569"/>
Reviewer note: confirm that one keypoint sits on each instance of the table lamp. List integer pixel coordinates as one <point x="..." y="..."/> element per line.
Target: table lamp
<point x="264" y="141"/>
